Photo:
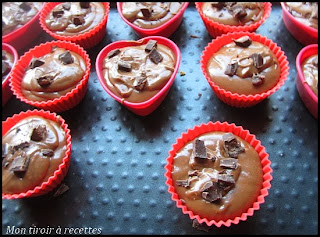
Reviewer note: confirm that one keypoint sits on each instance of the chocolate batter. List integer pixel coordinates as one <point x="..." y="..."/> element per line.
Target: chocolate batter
<point x="242" y="180"/>
<point x="149" y="15"/>
<point x="31" y="151"/>
<point x="310" y="72"/>
<point x="53" y="75"/>
<point x="305" y="12"/>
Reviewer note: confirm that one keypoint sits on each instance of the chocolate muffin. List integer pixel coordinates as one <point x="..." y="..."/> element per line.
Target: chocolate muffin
<point x="305" y="12"/>
<point x="310" y="72"/>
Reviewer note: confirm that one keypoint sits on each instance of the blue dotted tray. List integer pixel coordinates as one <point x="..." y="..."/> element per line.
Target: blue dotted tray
<point x="116" y="178"/>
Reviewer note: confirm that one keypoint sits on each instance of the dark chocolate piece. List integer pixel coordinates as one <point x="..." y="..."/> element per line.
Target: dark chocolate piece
<point x="113" y="53"/>
<point x="257" y="60"/>
<point x="239" y="12"/>
<point x="231" y="145"/>
<point x="218" y="5"/>
<point x="146" y="12"/>
<point x="258" y="79"/>
<point x="66" y="6"/>
<point x="39" y="133"/>
<point x="226" y="178"/>
<point x="57" y="13"/>
<point x="206" y="186"/>
<point x="183" y="183"/>
<point x="21" y="146"/>
<point x="231" y="69"/>
<point x="229" y="163"/>
<point x="150" y="45"/>
<point x="47" y="152"/>
<point x="78" y="20"/>
<point x="140" y="82"/>
<point x="35" y="62"/>
<point x="66" y="58"/>
<point x="200" y="226"/>
<point x="124" y="66"/>
<point x="25" y="6"/>
<point x="213" y="193"/>
<point x="193" y="173"/>
<point x="155" y="56"/>
<point x="199" y="149"/>
<point x="84" y="4"/>
<point x="20" y="163"/>
<point x="243" y="41"/>
<point x="45" y="81"/>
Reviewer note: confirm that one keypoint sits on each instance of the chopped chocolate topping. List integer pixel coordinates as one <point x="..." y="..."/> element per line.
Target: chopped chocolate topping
<point x="199" y="149"/>
<point x="47" y="152"/>
<point x="124" y="66"/>
<point x="146" y="12"/>
<point x="193" y="173"/>
<point x="66" y="58"/>
<point x="39" y="133"/>
<point x="239" y="12"/>
<point x="229" y="163"/>
<point x="231" y="145"/>
<point x="140" y="82"/>
<point x="243" y="41"/>
<point x="45" y="81"/>
<point x="150" y="45"/>
<point x="213" y="193"/>
<point x="155" y="56"/>
<point x="258" y="79"/>
<point x="78" y="20"/>
<point x="84" y="4"/>
<point x="25" y="6"/>
<point x="113" y="53"/>
<point x="35" y="62"/>
<point x="21" y="146"/>
<point x="226" y="178"/>
<point x="183" y="183"/>
<point x="257" y="60"/>
<point x="58" y="13"/>
<point x="218" y="5"/>
<point x="20" y="163"/>
<point x="231" y="69"/>
<point x="203" y="226"/>
<point x="66" y="6"/>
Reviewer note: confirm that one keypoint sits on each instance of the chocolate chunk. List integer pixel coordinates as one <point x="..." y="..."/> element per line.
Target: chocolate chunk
<point x="113" y="53"/>
<point x="257" y="60"/>
<point x="155" y="56"/>
<point x="124" y="66"/>
<point x="150" y="45"/>
<point x="229" y="163"/>
<point x="21" y="146"/>
<point x="315" y="61"/>
<point x="239" y="12"/>
<point x="78" y="20"/>
<point x="206" y="186"/>
<point x="231" y="69"/>
<point x="226" y="178"/>
<point x="20" y="163"/>
<point x="39" y="133"/>
<point x="35" y="62"/>
<point x="45" y="81"/>
<point x="231" y="145"/>
<point x="243" y="41"/>
<point x="5" y="68"/>
<point x="203" y="226"/>
<point x="47" y="152"/>
<point x="146" y="12"/>
<point x="183" y="183"/>
<point x="25" y="6"/>
<point x="66" y="6"/>
<point x="199" y="149"/>
<point x="66" y="58"/>
<point x="213" y="193"/>
<point x="57" y="13"/>
<point x="218" y="5"/>
<point x="193" y="173"/>
<point x="140" y="82"/>
<point x="258" y="79"/>
<point x="84" y="4"/>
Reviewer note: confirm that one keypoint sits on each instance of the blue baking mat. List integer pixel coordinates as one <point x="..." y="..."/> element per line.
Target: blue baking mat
<point x="116" y="178"/>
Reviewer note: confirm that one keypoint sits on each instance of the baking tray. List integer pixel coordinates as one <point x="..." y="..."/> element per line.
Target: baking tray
<point x="116" y="178"/>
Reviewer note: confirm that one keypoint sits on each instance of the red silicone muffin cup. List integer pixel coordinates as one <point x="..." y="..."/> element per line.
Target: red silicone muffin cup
<point x="190" y="135"/>
<point x="146" y="107"/>
<point x="87" y="39"/>
<point x="235" y="99"/>
<point x="64" y="102"/>
<point x="309" y="98"/>
<point x="6" y="92"/>
<point x="301" y="32"/>
<point x="61" y="172"/>
<point x="165" y="30"/>
<point x="28" y="32"/>
<point x="216" y="29"/>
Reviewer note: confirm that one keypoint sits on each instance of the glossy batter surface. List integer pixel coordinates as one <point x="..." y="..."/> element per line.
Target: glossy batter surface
<point x="310" y="72"/>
